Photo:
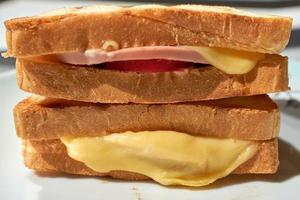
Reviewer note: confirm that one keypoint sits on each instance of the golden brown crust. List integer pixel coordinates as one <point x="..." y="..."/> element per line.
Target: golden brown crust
<point x="250" y="118"/>
<point x="91" y="84"/>
<point x="51" y="156"/>
<point x="78" y="29"/>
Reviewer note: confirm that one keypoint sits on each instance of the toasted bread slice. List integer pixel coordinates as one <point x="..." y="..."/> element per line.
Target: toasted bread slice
<point x="81" y="28"/>
<point x="52" y="156"/>
<point x="92" y="84"/>
<point x="249" y="118"/>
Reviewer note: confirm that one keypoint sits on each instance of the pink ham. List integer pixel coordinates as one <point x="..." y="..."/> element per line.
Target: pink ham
<point x="141" y="59"/>
<point x="91" y="57"/>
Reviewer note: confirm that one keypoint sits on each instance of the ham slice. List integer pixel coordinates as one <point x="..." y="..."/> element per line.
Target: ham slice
<point x="97" y="56"/>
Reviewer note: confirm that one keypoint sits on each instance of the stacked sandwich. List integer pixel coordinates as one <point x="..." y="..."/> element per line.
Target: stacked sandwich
<point x="175" y="94"/>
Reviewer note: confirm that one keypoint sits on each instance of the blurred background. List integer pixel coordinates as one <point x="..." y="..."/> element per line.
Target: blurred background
<point x="17" y="8"/>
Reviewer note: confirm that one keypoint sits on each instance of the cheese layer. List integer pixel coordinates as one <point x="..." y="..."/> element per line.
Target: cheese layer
<point x="227" y="60"/>
<point x="168" y="157"/>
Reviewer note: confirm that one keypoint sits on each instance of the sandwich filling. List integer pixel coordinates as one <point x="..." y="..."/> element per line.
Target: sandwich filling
<point x="227" y="60"/>
<point x="168" y="157"/>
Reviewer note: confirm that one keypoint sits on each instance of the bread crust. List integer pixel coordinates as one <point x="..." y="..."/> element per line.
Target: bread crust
<point x="51" y="156"/>
<point x="39" y="118"/>
<point x="78" y="29"/>
<point x="92" y="84"/>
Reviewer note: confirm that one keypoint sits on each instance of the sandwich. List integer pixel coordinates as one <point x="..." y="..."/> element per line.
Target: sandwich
<point x="190" y="144"/>
<point x="176" y="94"/>
<point x="221" y="52"/>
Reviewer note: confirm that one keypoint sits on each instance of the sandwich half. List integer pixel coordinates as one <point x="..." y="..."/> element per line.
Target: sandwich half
<point x="190" y="144"/>
<point x="149" y="54"/>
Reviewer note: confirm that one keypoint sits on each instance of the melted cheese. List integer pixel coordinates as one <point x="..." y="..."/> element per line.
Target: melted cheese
<point x="168" y="157"/>
<point x="229" y="61"/>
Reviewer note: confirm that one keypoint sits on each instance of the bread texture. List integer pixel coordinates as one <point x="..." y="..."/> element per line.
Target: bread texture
<point x="94" y="84"/>
<point x="82" y="28"/>
<point x="52" y="156"/>
<point x="249" y="118"/>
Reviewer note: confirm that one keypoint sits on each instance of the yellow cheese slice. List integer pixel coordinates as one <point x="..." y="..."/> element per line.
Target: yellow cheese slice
<point x="229" y="61"/>
<point x="168" y="157"/>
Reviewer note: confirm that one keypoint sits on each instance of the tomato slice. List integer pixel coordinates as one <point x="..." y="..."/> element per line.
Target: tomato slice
<point x="148" y="65"/>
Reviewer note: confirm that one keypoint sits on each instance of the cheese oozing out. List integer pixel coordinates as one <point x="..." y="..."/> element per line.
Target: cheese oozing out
<point x="168" y="157"/>
<point x="227" y="60"/>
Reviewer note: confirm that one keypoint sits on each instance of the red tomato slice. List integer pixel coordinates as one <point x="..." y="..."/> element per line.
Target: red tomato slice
<point x="147" y="65"/>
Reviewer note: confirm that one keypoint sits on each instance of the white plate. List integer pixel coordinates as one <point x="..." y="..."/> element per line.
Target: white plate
<point x="17" y="182"/>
